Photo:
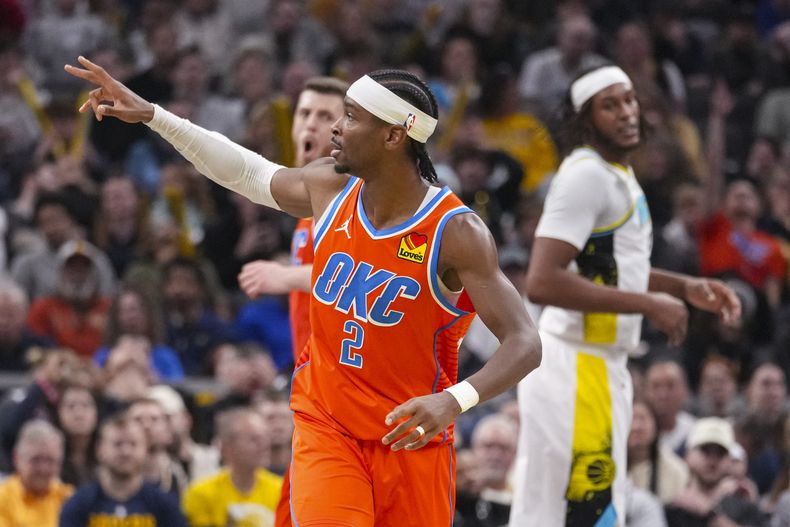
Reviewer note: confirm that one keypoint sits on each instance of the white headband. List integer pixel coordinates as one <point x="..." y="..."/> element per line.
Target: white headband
<point x="583" y="89"/>
<point x="390" y="108"/>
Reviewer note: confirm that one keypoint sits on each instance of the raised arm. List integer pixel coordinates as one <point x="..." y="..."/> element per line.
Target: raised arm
<point x="214" y="155"/>
<point x="468" y="257"/>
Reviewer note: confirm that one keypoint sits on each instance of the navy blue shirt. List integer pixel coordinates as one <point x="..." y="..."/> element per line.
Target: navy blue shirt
<point x="150" y="507"/>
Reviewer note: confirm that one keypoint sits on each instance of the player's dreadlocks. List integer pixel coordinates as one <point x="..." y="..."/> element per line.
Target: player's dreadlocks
<point x="410" y="88"/>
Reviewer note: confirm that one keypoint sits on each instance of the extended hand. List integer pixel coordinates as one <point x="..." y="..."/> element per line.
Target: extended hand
<point x="263" y="278"/>
<point x="433" y="413"/>
<point x="111" y="97"/>
<point x="714" y="296"/>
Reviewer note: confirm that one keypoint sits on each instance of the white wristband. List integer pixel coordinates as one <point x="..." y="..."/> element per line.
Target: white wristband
<point x="465" y="394"/>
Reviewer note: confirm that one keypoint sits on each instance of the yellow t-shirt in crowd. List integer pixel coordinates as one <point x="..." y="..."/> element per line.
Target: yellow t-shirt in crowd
<point x="18" y="508"/>
<point x="526" y="139"/>
<point x="216" y="502"/>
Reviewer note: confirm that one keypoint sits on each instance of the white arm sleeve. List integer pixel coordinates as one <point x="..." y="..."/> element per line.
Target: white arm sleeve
<point x="576" y="200"/>
<point x="218" y="158"/>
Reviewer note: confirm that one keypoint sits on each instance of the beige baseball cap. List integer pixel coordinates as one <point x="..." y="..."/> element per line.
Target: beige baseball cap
<point x="711" y="430"/>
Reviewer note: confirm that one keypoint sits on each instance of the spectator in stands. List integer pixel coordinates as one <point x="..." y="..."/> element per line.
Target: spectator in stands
<point x="242" y="233"/>
<point x="16" y="338"/>
<point x="191" y="82"/>
<point x="547" y="74"/>
<point x="667" y="393"/>
<point x="78" y="419"/>
<point x="296" y="35"/>
<point x="121" y="227"/>
<point x="518" y="133"/>
<point x="120" y="491"/>
<point x="676" y="246"/>
<point x="75" y="315"/>
<point x="264" y="321"/>
<point x="730" y="242"/>
<point x="711" y="495"/>
<point x="718" y="389"/>
<point x="150" y="49"/>
<point x="39" y="399"/>
<point x="776" y="220"/>
<point x="457" y="83"/>
<point x="205" y="25"/>
<point x="19" y="128"/>
<point x="253" y="74"/>
<point x="496" y="36"/>
<point x="197" y="460"/>
<point x="34" y="495"/>
<point x="161" y="468"/>
<point x="760" y="429"/>
<point x="633" y="51"/>
<point x="278" y="418"/>
<point x="56" y="224"/>
<point x="127" y="372"/>
<point x="777" y="502"/>
<point x="133" y="313"/>
<point x="243" y="493"/>
<point x="651" y="466"/>
<point x="65" y="31"/>
<point x="192" y="327"/>
<point x="494" y="447"/>
<point x="243" y="372"/>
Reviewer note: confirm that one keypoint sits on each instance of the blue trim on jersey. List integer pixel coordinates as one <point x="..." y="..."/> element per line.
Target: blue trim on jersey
<point x="333" y="211"/>
<point x="450" y="488"/>
<point x="293" y="376"/>
<point x="433" y="276"/>
<point x="435" y="356"/>
<point x="608" y="518"/>
<point x="436" y="361"/>
<point x="291" y="486"/>
<point x="406" y="224"/>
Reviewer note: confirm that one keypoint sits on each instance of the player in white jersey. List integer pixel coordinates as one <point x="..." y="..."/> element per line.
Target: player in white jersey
<point x="590" y="266"/>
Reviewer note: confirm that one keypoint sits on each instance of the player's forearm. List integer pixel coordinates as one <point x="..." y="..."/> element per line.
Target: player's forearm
<point x="518" y="355"/>
<point x="568" y="290"/>
<point x="299" y="278"/>
<point x="662" y="281"/>
<point x="217" y="157"/>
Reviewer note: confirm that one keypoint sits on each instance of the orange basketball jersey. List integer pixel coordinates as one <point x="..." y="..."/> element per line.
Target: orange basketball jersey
<point x="383" y="330"/>
<point x="299" y="301"/>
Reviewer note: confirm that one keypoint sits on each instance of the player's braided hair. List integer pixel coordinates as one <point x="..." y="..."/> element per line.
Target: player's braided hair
<point x="410" y="88"/>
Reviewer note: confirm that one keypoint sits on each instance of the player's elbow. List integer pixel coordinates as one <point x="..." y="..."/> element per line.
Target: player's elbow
<point x="531" y="351"/>
<point x="538" y="288"/>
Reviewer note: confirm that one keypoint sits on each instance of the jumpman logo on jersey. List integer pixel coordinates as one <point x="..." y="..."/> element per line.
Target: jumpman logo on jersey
<point x="344" y="227"/>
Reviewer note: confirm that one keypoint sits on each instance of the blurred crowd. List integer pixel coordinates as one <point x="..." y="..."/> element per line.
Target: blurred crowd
<point x="142" y="359"/>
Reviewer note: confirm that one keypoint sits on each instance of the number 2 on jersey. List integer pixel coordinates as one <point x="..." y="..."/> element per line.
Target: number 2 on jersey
<point x="347" y="356"/>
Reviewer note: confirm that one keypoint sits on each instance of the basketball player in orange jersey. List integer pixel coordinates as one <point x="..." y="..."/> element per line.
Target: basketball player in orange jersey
<point x="398" y="265"/>
<point x="320" y="104"/>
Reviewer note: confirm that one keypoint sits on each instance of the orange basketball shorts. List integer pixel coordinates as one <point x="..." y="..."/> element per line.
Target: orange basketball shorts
<point x="339" y="481"/>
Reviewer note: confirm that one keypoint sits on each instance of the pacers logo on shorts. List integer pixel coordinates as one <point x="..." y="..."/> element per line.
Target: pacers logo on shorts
<point x="413" y="247"/>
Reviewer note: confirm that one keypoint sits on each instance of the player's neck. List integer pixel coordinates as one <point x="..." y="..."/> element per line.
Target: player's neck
<point x="389" y="201"/>
<point x="611" y="153"/>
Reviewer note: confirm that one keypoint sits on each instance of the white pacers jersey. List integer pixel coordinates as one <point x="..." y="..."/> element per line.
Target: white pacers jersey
<point x="576" y="408"/>
<point x="599" y="208"/>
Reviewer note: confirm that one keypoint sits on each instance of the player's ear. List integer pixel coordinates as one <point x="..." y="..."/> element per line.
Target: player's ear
<point x="396" y="136"/>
